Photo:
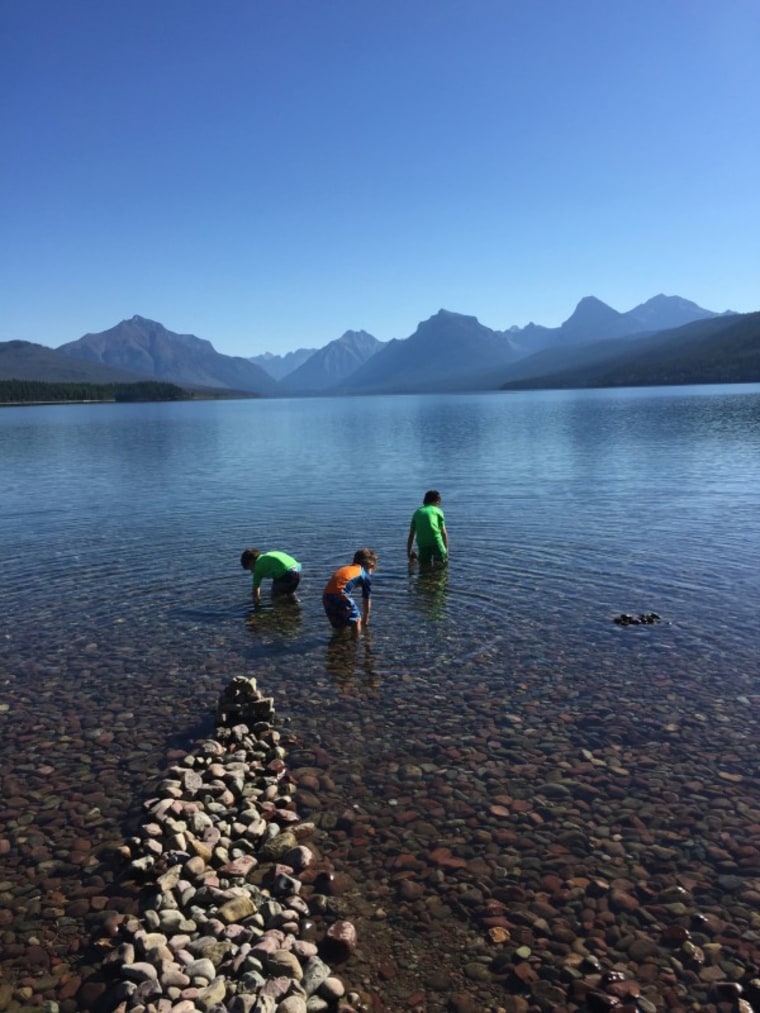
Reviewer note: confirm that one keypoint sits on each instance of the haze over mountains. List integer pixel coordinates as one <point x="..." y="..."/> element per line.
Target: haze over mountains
<point x="667" y="339"/>
<point x="279" y="366"/>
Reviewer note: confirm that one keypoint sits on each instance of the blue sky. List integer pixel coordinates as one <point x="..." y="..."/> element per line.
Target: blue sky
<point x="268" y="175"/>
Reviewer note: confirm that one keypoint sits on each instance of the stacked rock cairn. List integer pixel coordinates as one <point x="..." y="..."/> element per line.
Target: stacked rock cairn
<point x="223" y="925"/>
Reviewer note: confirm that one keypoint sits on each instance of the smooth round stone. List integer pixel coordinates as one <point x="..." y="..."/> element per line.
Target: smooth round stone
<point x="140" y="971"/>
<point x="477" y="972"/>
<point x="213" y="994"/>
<point x="202" y="968"/>
<point x="173" y="977"/>
<point x="292" y="1004"/>
<point x="284" y="963"/>
<point x="237" y="909"/>
<point x="332" y="989"/>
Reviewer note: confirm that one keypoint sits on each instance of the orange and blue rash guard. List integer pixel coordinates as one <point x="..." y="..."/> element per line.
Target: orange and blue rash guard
<point x="347" y="579"/>
<point x="338" y="604"/>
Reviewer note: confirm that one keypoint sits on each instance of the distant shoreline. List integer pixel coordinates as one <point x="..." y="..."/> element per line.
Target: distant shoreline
<point x="15" y="392"/>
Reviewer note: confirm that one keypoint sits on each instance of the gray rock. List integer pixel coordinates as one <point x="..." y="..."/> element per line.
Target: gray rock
<point x="202" y="968"/>
<point x="315" y="972"/>
<point x="140" y="971"/>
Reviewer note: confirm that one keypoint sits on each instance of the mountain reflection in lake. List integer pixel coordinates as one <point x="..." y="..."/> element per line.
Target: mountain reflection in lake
<point x="494" y="743"/>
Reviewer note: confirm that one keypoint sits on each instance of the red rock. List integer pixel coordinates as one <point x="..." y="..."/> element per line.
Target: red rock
<point x="411" y="890"/>
<point x="69" y="988"/>
<point x="407" y="816"/>
<point x="415" y="999"/>
<point x="405" y="861"/>
<point x="443" y="857"/>
<point x="627" y="989"/>
<point x="525" y="973"/>
<point x="675" y="935"/>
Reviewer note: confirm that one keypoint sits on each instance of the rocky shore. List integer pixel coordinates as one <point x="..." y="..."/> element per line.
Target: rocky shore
<point x="575" y="844"/>
<point x="223" y="923"/>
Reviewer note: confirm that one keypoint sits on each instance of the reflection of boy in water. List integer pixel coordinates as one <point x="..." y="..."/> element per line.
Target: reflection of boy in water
<point x="429" y="591"/>
<point x="341" y="609"/>
<point x="429" y="528"/>
<point x="347" y="665"/>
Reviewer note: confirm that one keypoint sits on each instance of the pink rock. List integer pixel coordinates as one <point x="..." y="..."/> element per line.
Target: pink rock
<point x="340" y="940"/>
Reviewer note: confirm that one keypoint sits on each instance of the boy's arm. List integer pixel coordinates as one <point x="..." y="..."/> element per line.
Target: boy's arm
<point x="445" y="537"/>
<point x="366" y="598"/>
<point x="410" y="540"/>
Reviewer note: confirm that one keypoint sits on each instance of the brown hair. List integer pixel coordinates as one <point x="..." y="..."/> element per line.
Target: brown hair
<point x="366" y="558"/>
<point x="249" y="557"/>
<point x="432" y="496"/>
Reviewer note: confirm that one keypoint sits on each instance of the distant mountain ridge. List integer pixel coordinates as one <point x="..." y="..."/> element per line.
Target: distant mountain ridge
<point x="24" y="360"/>
<point x="147" y="347"/>
<point x="333" y="364"/>
<point x="447" y="352"/>
<point x="279" y="366"/>
<point x="452" y="351"/>
<point x="594" y="320"/>
<point x="719" y="349"/>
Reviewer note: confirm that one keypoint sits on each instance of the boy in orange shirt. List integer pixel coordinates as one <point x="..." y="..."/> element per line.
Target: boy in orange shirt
<point x="340" y="607"/>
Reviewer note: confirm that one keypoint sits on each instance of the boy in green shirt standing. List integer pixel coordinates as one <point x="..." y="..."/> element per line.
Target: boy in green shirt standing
<point x="429" y="528"/>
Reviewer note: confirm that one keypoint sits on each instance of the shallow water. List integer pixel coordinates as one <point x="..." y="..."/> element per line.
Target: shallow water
<point x="125" y="610"/>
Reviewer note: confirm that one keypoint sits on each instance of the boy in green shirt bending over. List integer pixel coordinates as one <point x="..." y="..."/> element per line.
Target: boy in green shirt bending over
<point x="429" y="527"/>
<point x="282" y="568"/>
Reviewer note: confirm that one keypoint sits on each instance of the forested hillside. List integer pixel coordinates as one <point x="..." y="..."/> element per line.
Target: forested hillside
<point x="37" y="391"/>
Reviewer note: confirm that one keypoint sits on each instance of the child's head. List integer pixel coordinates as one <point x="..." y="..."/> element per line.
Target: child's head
<point x="366" y="558"/>
<point x="432" y="498"/>
<point x="249" y="557"/>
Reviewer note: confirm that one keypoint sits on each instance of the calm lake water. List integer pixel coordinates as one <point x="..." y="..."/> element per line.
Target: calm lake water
<point x="564" y="509"/>
<point x="125" y="610"/>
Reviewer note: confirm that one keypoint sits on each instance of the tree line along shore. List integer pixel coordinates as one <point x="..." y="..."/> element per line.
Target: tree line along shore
<point x="14" y="392"/>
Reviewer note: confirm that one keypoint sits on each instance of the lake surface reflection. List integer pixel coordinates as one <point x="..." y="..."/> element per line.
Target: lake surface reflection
<point x="125" y="610"/>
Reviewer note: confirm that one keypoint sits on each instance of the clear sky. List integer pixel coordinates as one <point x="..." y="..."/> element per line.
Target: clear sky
<point x="268" y="174"/>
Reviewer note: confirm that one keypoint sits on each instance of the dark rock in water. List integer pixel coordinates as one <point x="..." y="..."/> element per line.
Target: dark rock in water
<point x="340" y="941"/>
<point x="643" y="619"/>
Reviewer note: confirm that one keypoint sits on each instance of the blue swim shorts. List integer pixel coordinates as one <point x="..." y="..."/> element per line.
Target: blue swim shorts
<point x="340" y="609"/>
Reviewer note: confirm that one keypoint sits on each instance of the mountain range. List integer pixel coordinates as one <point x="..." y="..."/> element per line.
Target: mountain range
<point x="148" y="348"/>
<point x="327" y="368"/>
<point x="667" y="339"/>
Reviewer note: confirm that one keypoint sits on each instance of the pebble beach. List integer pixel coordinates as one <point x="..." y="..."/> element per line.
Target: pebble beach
<point x="417" y="842"/>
